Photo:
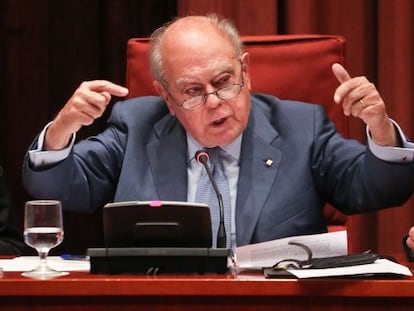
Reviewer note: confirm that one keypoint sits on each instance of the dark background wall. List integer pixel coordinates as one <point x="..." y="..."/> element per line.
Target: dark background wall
<point x="48" y="47"/>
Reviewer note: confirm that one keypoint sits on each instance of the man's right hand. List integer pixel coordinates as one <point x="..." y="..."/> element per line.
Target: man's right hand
<point x="87" y="104"/>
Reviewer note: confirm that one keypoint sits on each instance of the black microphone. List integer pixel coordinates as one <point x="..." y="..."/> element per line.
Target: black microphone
<point x="202" y="157"/>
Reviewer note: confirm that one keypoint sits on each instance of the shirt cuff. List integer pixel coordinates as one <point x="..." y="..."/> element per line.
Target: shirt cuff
<point x="39" y="157"/>
<point x="402" y="154"/>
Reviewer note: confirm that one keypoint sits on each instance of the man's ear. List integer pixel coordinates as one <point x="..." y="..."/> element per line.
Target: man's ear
<point x="245" y="69"/>
<point x="165" y="95"/>
<point x="159" y="88"/>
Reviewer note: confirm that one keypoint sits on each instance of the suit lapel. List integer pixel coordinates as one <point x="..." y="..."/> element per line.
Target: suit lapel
<point x="259" y="164"/>
<point x="168" y="159"/>
<point x="167" y="154"/>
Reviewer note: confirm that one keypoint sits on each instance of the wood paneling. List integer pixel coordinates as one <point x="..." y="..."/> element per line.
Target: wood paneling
<point x="47" y="49"/>
<point x="250" y="16"/>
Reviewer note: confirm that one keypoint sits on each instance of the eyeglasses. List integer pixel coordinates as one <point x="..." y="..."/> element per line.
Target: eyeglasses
<point x="324" y="262"/>
<point x="226" y="92"/>
<point x="295" y="263"/>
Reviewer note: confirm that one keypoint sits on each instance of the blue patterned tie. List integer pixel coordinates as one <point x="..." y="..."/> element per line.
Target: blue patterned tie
<point x="206" y="194"/>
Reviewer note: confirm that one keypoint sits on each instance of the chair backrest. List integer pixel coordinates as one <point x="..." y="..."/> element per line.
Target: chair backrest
<point x="288" y="66"/>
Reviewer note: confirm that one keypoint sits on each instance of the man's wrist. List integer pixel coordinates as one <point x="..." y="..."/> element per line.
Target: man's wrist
<point x="54" y="139"/>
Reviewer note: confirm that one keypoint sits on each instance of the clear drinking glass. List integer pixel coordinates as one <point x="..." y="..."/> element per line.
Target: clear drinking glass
<point x="43" y="230"/>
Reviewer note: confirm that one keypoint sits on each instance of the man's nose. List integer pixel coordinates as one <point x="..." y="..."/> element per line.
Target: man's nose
<point x="212" y="99"/>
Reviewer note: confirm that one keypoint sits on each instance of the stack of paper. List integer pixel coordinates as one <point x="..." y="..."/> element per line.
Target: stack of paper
<point x="26" y="263"/>
<point x="266" y="254"/>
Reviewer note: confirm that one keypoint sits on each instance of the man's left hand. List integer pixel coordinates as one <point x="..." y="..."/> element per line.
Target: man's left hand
<point x="361" y="99"/>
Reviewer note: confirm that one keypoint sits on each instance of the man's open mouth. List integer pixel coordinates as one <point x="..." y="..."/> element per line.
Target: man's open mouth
<point x="219" y="122"/>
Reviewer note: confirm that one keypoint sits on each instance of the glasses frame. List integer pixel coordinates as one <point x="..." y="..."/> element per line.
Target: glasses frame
<point x="366" y="257"/>
<point x="205" y="95"/>
<point x="286" y="264"/>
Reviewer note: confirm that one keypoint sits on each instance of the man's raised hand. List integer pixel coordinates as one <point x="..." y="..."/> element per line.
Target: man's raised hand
<point x="87" y="104"/>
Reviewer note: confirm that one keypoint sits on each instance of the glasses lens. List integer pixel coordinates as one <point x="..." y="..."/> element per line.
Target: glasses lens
<point x="287" y="264"/>
<point x="224" y="93"/>
<point x="229" y="91"/>
<point x="193" y="102"/>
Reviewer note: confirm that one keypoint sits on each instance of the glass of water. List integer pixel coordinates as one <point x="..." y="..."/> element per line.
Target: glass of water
<point x="43" y="230"/>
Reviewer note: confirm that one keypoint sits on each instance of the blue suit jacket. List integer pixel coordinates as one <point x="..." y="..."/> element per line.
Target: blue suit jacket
<point x="142" y="156"/>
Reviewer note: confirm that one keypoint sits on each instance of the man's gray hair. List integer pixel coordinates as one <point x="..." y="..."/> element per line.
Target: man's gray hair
<point x="222" y="24"/>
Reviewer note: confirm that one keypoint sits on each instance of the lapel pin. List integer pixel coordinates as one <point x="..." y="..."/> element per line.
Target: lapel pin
<point x="269" y="162"/>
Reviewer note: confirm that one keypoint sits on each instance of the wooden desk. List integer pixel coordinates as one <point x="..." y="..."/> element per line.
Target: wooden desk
<point x="83" y="291"/>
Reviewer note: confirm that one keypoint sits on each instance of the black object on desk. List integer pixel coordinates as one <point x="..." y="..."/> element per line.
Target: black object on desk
<point x="158" y="237"/>
<point x="159" y="260"/>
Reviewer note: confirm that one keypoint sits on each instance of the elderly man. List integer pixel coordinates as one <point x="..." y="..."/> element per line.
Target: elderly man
<point x="202" y="76"/>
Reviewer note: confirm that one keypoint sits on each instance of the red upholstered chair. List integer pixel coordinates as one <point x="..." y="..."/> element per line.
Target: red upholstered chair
<point x="288" y="66"/>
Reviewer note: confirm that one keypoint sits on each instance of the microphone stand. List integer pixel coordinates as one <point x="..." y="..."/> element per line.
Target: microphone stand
<point x="202" y="157"/>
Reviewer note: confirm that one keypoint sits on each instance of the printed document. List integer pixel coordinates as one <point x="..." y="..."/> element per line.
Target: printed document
<point x="266" y="254"/>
